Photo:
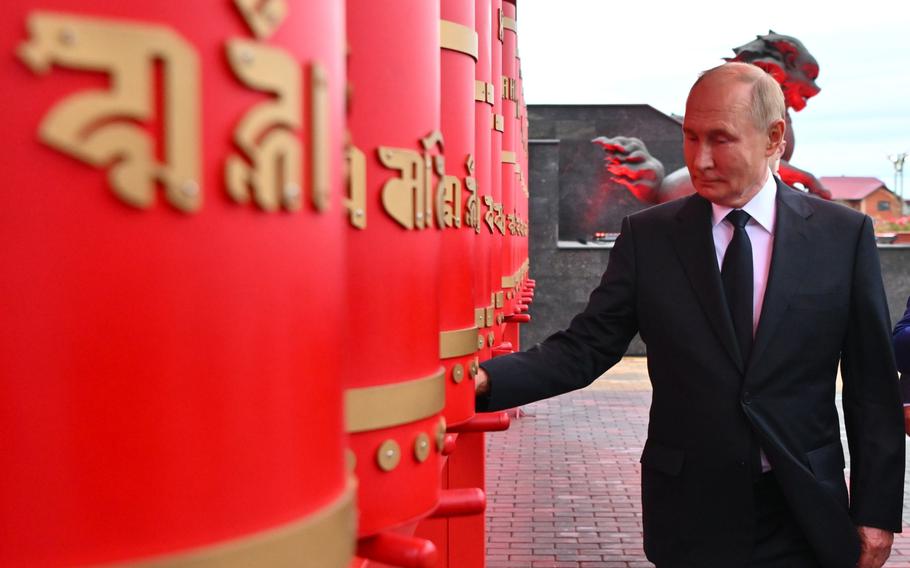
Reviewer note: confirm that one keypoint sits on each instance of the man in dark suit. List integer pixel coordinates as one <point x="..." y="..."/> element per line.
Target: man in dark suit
<point x="748" y="295"/>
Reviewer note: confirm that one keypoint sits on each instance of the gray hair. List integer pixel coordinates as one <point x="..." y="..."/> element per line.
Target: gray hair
<point x="767" y="96"/>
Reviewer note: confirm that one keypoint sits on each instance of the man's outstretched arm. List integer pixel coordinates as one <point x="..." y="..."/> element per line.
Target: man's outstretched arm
<point x="567" y="360"/>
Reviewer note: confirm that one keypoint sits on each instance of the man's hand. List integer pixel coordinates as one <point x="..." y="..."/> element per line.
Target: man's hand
<point x="907" y="420"/>
<point x="875" y="546"/>
<point x="481" y="382"/>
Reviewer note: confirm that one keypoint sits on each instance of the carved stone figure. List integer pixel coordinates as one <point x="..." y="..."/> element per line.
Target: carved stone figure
<point x="787" y="60"/>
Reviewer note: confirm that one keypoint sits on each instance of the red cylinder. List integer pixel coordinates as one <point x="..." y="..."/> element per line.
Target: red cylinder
<point x="395" y="383"/>
<point x="458" y="337"/>
<point x="519" y="229"/>
<point x="167" y="349"/>
<point x="493" y="216"/>
<point x="508" y="155"/>
<point x="484" y="291"/>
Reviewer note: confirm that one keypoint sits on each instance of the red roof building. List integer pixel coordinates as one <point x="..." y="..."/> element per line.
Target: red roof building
<point x="866" y="194"/>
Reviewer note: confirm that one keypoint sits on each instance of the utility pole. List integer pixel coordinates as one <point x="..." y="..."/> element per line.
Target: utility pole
<point x="898" y="161"/>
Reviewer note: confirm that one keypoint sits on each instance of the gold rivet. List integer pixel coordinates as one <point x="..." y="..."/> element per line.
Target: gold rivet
<point x="500" y="318"/>
<point x="291" y="193"/>
<point x="350" y="460"/>
<point x="475" y="368"/>
<point x="389" y="455"/>
<point x="491" y="339"/>
<point x="441" y="434"/>
<point x="480" y="341"/>
<point x="422" y="447"/>
<point x="190" y="189"/>
<point x="458" y="373"/>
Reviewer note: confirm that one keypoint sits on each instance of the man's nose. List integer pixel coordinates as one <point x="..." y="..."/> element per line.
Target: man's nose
<point x="703" y="158"/>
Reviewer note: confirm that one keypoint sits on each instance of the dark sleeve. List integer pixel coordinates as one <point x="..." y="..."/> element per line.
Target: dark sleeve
<point x="901" y="338"/>
<point x="872" y="409"/>
<point x="567" y="360"/>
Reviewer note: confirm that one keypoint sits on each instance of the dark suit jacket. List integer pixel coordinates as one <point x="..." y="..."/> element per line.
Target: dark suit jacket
<point x="824" y="305"/>
<point x="901" y="339"/>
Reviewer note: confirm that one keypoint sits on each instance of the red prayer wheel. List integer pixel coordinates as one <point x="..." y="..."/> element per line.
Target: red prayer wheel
<point x="508" y="155"/>
<point x="484" y="107"/>
<point x="395" y="383"/>
<point x="519" y="224"/>
<point x="172" y="323"/>
<point x="493" y="215"/>
<point x="460" y="323"/>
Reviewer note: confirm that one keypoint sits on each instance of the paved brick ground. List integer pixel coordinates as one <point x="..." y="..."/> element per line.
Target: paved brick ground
<point x="563" y="482"/>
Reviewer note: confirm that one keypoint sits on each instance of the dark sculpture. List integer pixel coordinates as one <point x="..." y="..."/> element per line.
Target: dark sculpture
<point x="785" y="58"/>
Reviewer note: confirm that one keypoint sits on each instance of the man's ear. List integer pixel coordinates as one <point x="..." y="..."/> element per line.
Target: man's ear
<point x="775" y="136"/>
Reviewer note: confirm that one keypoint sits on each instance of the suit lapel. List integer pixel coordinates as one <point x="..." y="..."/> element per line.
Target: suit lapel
<point x="694" y="244"/>
<point x="789" y="262"/>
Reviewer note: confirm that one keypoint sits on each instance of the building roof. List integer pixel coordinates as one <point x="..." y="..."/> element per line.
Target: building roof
<point x="849" y="188"/>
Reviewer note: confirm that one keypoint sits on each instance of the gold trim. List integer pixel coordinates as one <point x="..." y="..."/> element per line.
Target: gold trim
<point x="456" y="37"/>
<point x="457" y="343"/>
<point x="488" y="316"/>
<point x="510" y="24"/>
<point x="480" y="91"/>
<point x="508" y="157"/>
<point x="499" y="122"/>
<point x="483" y="92"/>
<point x="500" y="300"/>
<point x="323" y="539"/>
<point x="385" y="406"/>
<point x="479" y="317"/>
<point x="500" y="15"/>
<point x="356" y="202"/>
<point x="508" y="281"/>
<point x="320" y="162"/>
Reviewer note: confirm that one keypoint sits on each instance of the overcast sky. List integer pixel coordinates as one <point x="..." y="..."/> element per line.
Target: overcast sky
<point x="610" y="52"/>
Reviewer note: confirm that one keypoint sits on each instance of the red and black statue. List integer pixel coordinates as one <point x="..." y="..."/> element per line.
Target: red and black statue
<point x="628" y="162"/>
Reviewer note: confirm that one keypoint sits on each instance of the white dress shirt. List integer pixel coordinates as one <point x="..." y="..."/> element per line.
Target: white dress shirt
<point x="760" y="228"/>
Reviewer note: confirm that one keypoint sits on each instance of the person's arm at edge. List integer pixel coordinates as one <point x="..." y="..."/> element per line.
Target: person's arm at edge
<point x="901" y="339"/>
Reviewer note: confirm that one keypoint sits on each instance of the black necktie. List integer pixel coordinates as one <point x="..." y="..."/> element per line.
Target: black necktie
<point x="736" y="274"/>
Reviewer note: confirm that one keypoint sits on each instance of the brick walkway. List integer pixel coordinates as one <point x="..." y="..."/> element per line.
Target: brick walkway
<point x="563" y="481"/>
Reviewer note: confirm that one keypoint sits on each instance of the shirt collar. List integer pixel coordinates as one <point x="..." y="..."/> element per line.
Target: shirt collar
<point x="761" y="207"/>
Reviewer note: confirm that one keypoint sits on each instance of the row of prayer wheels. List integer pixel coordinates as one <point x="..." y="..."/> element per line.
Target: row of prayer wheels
<point x="255" y="252"/>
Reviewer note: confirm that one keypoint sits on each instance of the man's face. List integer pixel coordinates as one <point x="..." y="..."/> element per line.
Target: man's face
<point x="726" y="154"/>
